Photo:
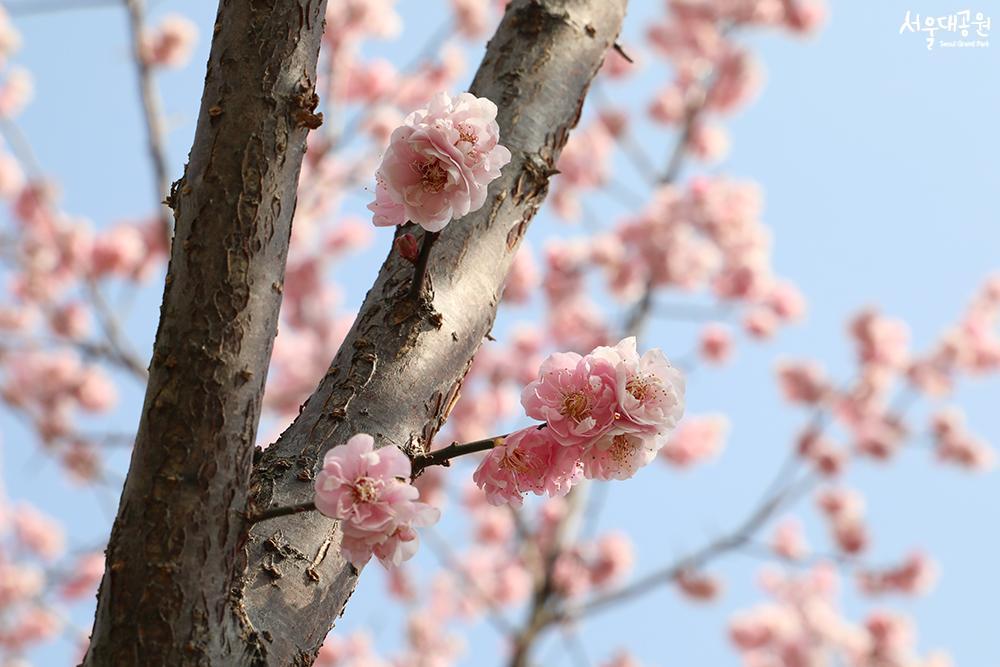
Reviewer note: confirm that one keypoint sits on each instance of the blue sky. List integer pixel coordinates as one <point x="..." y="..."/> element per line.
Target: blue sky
<point x="877" y="158"/>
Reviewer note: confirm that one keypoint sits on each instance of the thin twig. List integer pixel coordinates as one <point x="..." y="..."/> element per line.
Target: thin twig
<point x="274" y="512"/>
<point x="152" y="113"/>
<point x="640" y="311"/>
<point x="442" y="457"/>
<point x="420" y="272"/>
<point x="112" y="331"/>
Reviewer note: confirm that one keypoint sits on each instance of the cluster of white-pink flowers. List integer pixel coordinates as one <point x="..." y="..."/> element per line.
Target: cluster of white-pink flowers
<point x="368" y="489"/>
<point x="804" y="625"/>
<point x="605" y="416"/>
<point x="439" y="163"/>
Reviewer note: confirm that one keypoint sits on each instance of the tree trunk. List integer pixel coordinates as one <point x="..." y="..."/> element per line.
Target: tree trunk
<point x="400" y="369"/>
<point x="174" y="549"/>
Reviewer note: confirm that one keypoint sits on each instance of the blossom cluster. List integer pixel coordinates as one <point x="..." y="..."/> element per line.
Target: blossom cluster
<point x="605" y="415"/>
<point x="870" y="411"/>
<point x="37" y="577"/>
<point x="803" y="625"/>
<point x="368" y="489"/>
<point x="439" y="163"/>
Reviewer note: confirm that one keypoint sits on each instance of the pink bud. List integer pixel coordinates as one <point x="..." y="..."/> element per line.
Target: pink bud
<point x="406" y="246"/>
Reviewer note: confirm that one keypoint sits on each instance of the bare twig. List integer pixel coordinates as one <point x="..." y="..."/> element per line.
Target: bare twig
<point x="112" y="331"/>
<point x="152" y="112"/>
<point x="420" y="272"/>
<point x="444" y="455"/>
<point x="274" y="512"/>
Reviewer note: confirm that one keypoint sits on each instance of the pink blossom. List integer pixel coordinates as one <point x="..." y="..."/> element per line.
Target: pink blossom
<point x="619" y="455"/>
<point x="953" y="443"/>
<point x="878" y="436"/>
<point x="850" y="534"/>
<point x="19" y="582"/>
<point x="762" y="626"/>
<point x="171" y="43"/>
<point x="708" y="142"/>
<point x="696" y="439"/>
<point x="668" y="107"/>
<point x="805" y="16"/>
<point x="84" y="578"/>
<point x="614" y="121"/>
<point x="569" y="574"/>
<point x="439" y="163"/>
<point x="17" y="318"/>
<point x="622" y="659"/>
<point x="366" y="489"/>
<point x="881" y="341"/>
<point x="786" y="301"/>
<point x="12" y="177"/>
<point x="698" y="586"/>
<point x="914" y="576"/>
<point x="527" y="460"/>
<point x="789" y="541"/>
<point x="431" y="485"/>
<point x="381" y="121"/>
<point x="650" y="390"/>
<point x="10" y="38"/>
<point x="760" y="323"/>
<point x="349" y="234"/>
<point x="16" y="92"/>
<point x="576" y="396"/>
<point x="348" y="21"/>
<point x="71" y="320"/>
<point x="578" y="324"/>
<point x="686" y="40"/>
<point x="95" y="391"/>
<point x="840" y="503"/>
<point x="828" y="458"/>
<point x="802" y="382"/>
<point x="715" y="343"/>
<point x="494" y="525"/>
<point x="370" y="82"/>
<point x="406" y="246"/>
<point x="32" y="625"/>
<point x="585" y="160"/>
<point x="119" y="250"/>
<point x="472" y="17"/>
<point x="523" y="278"/>
<point x="737" y="80"/>
<point x="613" y="559"/>
<point x="38" y="532"/>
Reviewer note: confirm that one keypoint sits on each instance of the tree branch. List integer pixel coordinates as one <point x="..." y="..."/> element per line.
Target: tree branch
<point x="172" y="560"/>
<point x="442" y="457"/>
<point x="399" y="371"/>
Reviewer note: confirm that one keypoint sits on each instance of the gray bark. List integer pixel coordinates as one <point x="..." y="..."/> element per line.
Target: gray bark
<point x="173" y="553"/>
<point x="400" y="370"/>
